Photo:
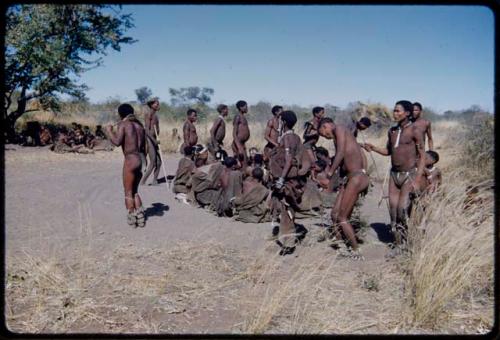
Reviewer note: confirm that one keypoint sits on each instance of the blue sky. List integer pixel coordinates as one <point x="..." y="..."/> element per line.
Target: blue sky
<point x="441" y="56"/>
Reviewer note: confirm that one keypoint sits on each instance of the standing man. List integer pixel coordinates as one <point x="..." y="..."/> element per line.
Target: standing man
<point x="218" y="131"/>
<point x="241" y="133"/>
<point x="423" y="125"/>
<point x="348" y="156"/>
<point x="152" y="129"/>
<point x="311" y="135"/>
<point x="189" y="130"/>
<point x="406" y="148"/>
<point x="273" y="131"/>
<point x="130" y="136"/>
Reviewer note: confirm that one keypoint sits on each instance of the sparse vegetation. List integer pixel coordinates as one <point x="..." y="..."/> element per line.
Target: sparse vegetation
<point x="444" y="284"/>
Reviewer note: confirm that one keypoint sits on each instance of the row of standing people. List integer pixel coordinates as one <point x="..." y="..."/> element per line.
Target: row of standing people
<point x="289" y="161"/>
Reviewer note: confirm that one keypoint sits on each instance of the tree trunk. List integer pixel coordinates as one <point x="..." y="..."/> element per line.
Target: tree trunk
<point x="11" y="118"/>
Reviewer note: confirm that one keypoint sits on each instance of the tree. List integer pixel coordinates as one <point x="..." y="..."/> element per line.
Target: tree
<point x="190" y="95"/>
<point x="143" y="93"/>
<point x="47" y="47"/>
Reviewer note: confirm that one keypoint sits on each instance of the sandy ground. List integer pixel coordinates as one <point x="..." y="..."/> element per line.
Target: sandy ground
<point x="64" y="208"/>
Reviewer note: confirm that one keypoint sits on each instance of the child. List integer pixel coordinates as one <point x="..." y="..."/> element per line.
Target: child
<point x="432" y="174"/>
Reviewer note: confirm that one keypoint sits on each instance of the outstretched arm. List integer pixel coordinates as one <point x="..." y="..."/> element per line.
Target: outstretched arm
<point x="383" y="151"/>
<point x="116" y="139"/>
<point x="429" y="136"/>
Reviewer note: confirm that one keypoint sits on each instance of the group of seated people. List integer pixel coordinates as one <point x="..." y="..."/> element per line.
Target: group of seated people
<point x="229" y="187"/>
<point x="61" y="139"/>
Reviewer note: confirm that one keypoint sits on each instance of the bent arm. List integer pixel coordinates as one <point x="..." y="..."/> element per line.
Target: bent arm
<point x="309" y="132"/>
<point x="116" y="139"/>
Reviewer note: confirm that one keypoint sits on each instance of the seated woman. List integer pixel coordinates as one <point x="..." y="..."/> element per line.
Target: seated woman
<point x="252" y="206"/>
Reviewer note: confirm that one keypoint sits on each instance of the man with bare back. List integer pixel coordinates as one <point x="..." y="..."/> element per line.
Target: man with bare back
<point x="241" y="133"/>
<point x="311" y="135"/>
<point x="348" y="156"/>
<point x="406" y="148"/>
<point x="423" y="125"/>
<point x="152" y="129"/>
<point x="131" y="137"/>
<point x="218" y="130"/>
<point x="273" y="131"/>
<point x="189" y="130"/>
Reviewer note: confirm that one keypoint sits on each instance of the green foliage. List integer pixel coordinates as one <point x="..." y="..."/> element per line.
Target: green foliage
<point x="191" y="95"/>
<point x="468" y="115"/>
<point x="143" y="93"/>
<point x="47" y="47"/>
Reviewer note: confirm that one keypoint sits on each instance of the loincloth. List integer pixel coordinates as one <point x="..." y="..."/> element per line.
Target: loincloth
<point x="400" y="177"/>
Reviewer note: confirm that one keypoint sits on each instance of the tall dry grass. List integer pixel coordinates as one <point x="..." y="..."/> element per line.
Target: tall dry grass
<point x="451" y="238"/>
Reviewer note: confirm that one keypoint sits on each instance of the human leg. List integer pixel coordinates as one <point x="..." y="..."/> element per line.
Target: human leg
<point x="354" y="186"/>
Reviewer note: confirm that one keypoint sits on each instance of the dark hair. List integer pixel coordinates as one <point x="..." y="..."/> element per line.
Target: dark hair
<point x="221" y="107"/>
<point x="240" y="104"/>
<point x="221" y="155"/>
<point x="434" y="155"/>
<point x="321" y="164"/>
<point x="151" y="101"/>
<point x="190" y="111"/>
<point x="418" y="104"/>
<point x="322" y="151"/>
<point x="197" y="148"/>
<point x="258" y="159"/>
<point x="365" y="121"/>
<point x="290" y="118"/>
<point x="317" y="109"/>
<point x="324" y="121"/>
<point x="188" y="150"/>
<point x="275" y="109"/>
<point x="258" y="173"/>
<point x="229" y="162"/>
<point x="407" y="105"/>
<point x="124" y="110"/>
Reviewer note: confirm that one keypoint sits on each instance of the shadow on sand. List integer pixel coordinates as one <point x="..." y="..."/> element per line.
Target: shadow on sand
<point x="157" y="209"/>
<point x="383" y="231"/>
